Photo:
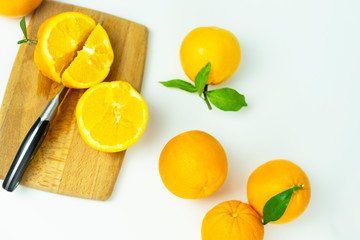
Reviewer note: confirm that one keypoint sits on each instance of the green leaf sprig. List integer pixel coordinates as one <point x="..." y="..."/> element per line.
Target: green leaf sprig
<point x="23" y="29"/>
<point x="226" y="99"/>
<point x="276" y="206"/>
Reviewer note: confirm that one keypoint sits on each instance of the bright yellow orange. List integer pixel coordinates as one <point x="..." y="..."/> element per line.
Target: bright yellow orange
<point x="232" y="220"/>
<point x="111" y="116"/>
<point x="274" y="177"/>
<point x="210" y="44"/>
<point x="17" y="8"/>
<point x="59" y="38"/>
<point x="92" y="64"/>
<point x="193" y="165"/>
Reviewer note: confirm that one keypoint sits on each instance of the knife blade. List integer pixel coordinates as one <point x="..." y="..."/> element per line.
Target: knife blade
<point x="32" y="141"/>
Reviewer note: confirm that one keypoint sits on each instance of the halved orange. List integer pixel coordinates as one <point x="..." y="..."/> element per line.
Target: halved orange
<point x="111" y="116"/>
<point x="61" y="55"/>
<point x="59" y="37"/>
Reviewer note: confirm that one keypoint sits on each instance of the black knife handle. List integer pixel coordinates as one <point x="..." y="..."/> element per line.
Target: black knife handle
<point x="26" y="152"/>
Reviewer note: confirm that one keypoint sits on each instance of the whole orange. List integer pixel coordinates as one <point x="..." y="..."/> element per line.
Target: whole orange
<point x="232" y="220"/>
<point x="274" y="177"/>
<point x="17" y="8"/>
<point x="193" y="165"/>
<point x="210" y="44"/>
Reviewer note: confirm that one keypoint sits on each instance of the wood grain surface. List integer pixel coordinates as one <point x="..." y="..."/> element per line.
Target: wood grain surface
<point x="64" y="164"/>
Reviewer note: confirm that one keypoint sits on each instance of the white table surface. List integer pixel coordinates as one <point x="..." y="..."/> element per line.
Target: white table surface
<point x="300" y="74"/>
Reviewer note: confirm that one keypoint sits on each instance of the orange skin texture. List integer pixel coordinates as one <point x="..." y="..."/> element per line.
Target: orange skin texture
<point x="17" y="8"/>
<point x="210" y="44"/>
<point x="193" y="165"/>
<point x="274" y="177"/>
<point x="232" y="220"/>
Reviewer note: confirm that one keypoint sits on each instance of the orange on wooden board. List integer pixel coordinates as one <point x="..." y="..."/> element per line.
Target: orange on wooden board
<point x="92" y="64"/>
<point x="193" y="165"/>
<point x="210" y="44"/>
<point x="274" y="177"/>
<point x="232" y="220"/>
<point x="111" y="116"/>
<point x="18" y="8"/>
<point x="74" y="50"/>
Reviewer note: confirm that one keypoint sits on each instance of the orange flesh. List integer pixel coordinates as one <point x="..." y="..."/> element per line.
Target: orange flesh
<point x="111" y="116"/>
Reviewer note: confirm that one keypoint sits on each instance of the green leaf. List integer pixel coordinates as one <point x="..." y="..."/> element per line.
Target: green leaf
<point x="202" y="77"/>
<point x="181" y="84"/>
<point x="226" y="99"/>
<point x="23" y="27"/>
<point x="22" y="41"/>
<point x="276" y="206"/>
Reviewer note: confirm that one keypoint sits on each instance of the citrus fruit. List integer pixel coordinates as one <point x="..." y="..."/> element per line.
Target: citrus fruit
<point x="59" y="38"/>
<point x="193" y="165"/>
<point x="274" y="177"/>
<point x="210" y="44"/>
<point x="92" y="64"/>
<point x="232" y="220"/>
<point x="70" y="43"/>
<point x="17" y="8"/>
<point x="111" y="116"/>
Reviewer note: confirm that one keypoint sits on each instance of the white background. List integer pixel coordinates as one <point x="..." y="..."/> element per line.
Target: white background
<point x="300" y="75"/>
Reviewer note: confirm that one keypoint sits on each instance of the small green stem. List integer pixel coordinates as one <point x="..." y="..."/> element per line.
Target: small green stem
<point x="32" y="41"/>
<point x="28" y="41"/>
<point x="206" y="97"/>
<point x="295" y="188"/>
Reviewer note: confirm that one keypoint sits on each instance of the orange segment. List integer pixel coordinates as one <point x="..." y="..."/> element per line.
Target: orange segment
<point x="93" y="62"/>
<point x="59" y="37"/>
<point x="111" y="116"/>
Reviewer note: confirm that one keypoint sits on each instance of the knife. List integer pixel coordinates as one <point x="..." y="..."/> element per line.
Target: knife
<point x="32" y="142"/>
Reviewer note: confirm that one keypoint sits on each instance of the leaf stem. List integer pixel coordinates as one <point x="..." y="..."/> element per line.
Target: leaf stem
<point x="206" y="97"/>
<point x="295" y="188"/>
<point x="23" y="29"/>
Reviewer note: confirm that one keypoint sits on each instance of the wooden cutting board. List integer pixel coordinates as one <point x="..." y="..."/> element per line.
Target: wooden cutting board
<point x="64" y="164"/>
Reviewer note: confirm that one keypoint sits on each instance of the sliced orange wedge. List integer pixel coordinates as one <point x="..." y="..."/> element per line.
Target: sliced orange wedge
<point x="111" y="116"/>
<point x="74" y="50"/>
<point x="92" y="64"/>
